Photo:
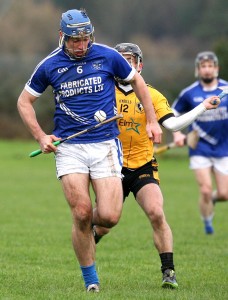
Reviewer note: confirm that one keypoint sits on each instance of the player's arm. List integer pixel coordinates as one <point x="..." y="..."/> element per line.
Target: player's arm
<point x="178" y="123"/>
<point x="28" y="115"/>
<point x="141" y="90"/>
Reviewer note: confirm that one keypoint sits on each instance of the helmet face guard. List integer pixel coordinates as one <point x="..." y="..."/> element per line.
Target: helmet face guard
<point x="205" y="56"/>
<point x="131" y="49"/>
<point x="75" y="24"/>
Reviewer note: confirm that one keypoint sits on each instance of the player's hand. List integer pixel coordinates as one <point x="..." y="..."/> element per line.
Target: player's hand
<point x="154" y="132"/>
<point x="179" y="138"/>
<point x="46" y="143"/>
<point x="212" y="102"/>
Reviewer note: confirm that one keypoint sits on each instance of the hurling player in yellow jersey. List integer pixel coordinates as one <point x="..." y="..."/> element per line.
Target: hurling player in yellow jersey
<point x="140" y="168"/>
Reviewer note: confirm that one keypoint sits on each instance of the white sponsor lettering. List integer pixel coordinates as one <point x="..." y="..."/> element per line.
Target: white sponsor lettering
<point x="62" y="70"/>
<point x="217" y="114"/>
<point x="81" y="86"/>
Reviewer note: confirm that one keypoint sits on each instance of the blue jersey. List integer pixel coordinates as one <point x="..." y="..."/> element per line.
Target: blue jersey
<point x="81" y="87"/>
<point x="212" y="125"/>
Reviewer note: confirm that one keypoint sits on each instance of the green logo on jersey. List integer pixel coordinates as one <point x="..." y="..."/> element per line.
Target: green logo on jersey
<point x="134" y="126"/>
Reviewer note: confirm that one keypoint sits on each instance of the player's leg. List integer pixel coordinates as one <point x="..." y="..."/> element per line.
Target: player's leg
<point x="221" y="179"/>
<point x="76" y="190"/>
<point x="144" y="183"/>
<point x="98" y="231"/>
<point x="72" y="169"/>
<point x="105" y="174"/>
<point x="128" y="177"/>
<point x="204" y="180"/>
<point x="108" y="201"/>
<point x="150" y="199"/>
<point x="202" y="167"/>
<point x="222" y="187"/>
<point x="145" y="186"/>
<point x="106" y="212"/>
<point x="77" y="196"/>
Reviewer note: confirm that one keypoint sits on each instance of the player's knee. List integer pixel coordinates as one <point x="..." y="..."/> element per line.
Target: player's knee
<point x="206" y="192"/>
<point x="82" y="215"/>
<point x="110" y="220"/>
<point x="156" y="217"/>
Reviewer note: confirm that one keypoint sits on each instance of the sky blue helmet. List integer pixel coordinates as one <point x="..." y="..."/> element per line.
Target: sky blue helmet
<point x="75" y="23"/>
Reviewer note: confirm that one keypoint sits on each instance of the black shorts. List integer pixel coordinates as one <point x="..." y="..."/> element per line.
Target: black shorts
<point x="134" y="179"/>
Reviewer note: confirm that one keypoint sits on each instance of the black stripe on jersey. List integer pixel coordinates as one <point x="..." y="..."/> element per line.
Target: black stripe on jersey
<point x="165" y="118"/>
<point x="130" y="91"/>
<point x="123" y="91"/>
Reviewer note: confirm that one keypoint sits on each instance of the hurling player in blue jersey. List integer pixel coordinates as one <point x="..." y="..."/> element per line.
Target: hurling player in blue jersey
<point x="209" y="158"/>
<point x="82" y="74"/>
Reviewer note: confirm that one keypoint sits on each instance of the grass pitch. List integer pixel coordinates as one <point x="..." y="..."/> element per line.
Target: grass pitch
<point x="37" y="259"/>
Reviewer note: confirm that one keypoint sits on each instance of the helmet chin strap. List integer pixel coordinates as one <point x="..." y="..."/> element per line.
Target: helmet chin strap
<point x="61" y="40"/>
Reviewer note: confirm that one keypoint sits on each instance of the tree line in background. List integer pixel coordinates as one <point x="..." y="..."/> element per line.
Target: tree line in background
<point x="170" y="34"/>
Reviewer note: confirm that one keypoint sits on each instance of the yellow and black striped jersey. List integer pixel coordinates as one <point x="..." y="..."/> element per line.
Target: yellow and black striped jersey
<point x="137" y="147"/>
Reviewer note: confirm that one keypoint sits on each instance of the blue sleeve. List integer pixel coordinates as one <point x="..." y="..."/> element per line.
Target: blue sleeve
<point x="183" y="103"/>
<point x="121" y="67"/>
<point x="38" y="82"/>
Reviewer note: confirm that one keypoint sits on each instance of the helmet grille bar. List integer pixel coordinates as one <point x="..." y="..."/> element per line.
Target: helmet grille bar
<point x="78" y="25"/>
<point x="206" y="55"/>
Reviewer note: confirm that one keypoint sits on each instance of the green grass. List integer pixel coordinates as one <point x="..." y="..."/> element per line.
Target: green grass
<point x="36" y="255"/>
